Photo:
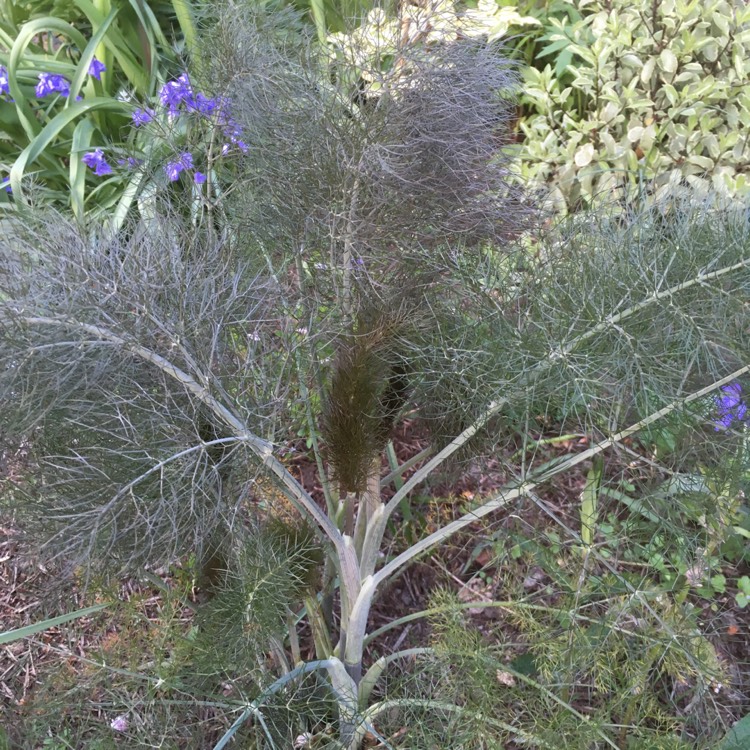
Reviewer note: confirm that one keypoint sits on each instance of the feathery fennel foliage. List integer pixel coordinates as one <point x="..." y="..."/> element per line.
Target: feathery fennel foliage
<point x="160" y="374"/>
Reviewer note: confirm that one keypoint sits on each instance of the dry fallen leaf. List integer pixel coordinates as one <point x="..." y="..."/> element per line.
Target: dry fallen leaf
<point x="505" y="678"/>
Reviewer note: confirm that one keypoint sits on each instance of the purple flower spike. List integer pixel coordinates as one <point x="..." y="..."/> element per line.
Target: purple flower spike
<point x="174" y="93"/>
<point x="199" y="178"/>
<point x="730" y="407"/>
<point x="237" y="143"/>
<point x="173" y="168"/>
<point x="4" y="82"/>
<point x="51" y="83"/>
<point x="96" y="69"/>
<point x="232" y="129"/>
<point x="142" y="117"/>
<point x="202" y="104"/>
<point x="96" y="161"/>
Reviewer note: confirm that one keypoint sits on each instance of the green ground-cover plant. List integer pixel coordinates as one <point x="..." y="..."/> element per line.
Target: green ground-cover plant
<point x="637" y="96"/>
<point x="604" y="624"/>
<point x="70" y="85"/>
<point x="368" y="256"/>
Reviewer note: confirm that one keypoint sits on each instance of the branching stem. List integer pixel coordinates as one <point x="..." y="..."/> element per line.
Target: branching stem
<point x="504" y="498"/>
<point x="261" y="448"/>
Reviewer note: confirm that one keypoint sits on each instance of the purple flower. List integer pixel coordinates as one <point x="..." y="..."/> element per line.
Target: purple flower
<point x="173" y="168"/>
<point x="142" y="117"/>
<point x="730" y="406"/>
<point x="199" y="178"/>
<point x="230" y="127"/>
<point x="5" y="185"/>
<point x="96" y="69"/>
<point x="4" y="82"/>
<point x="96" y="161"/>
<point x="174" y="93"/>
<point x="241" y="145"/>
<point x="51" y="83"/>
<point x="202" y="104"/>
<point x="120" y="724"/>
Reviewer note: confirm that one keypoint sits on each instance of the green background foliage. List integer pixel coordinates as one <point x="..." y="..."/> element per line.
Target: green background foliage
<point x="140" y="44"/>
<point x="630" y="96"/>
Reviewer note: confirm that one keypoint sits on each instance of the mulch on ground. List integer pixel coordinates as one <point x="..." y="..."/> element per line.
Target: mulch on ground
<point x="27" y="596"/>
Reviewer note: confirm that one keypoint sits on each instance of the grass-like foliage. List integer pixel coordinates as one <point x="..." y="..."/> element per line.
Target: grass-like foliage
<point x="361" y="260"/>
<point x="71" y="75"/>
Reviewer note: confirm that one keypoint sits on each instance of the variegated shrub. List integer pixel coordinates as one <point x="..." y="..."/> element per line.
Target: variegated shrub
<point x="645" y="95"/>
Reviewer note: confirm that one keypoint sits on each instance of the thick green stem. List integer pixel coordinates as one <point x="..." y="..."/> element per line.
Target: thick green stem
<point x="376" y="670"/>
<point x="356" y="632"/>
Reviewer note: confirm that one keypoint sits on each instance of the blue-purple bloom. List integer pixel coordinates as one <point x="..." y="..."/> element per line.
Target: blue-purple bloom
<point x="96" y="69"/>
<point x="52" y="83"/>
<point x="199" y="178"/>
<point x="4" y="82"/>
<point x="731" y="407"/>
<point x="5" y="185"/>
<point x="233" y="131"/>
<point x="240" y="144"/>
<point x="96" y="161"/>
<point x="202" y="104"/>
<point x="142" y="116"/>
<point x="174" y="93"/>
<point x="173" y="168"/>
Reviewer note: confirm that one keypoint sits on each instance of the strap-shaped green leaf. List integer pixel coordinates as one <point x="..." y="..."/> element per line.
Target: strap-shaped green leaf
<point x="53" y="129"/>
<point x="151" y="37"/>
<point x="88" y="55"/>
<point x="24" y="38"/>
<point x="185" y="19"/>
<point x="38" y="627"/>
<point x="81" y="140"/>
<point x="117" y="45"/>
